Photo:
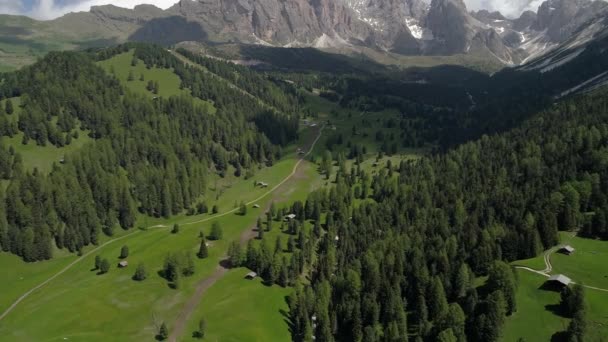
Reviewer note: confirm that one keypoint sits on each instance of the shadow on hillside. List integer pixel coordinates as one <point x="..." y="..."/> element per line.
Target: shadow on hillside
<point x="287" y="318"/>
<point x="557" y="310"/>
<point x="561" y="336"/>
<point x="551" y="287"/>
<point x="169" y="31"/>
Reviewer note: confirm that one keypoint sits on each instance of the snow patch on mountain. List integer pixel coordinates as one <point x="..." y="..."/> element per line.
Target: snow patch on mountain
<point x="326" y="42"/>
<point x="417" y="31"/>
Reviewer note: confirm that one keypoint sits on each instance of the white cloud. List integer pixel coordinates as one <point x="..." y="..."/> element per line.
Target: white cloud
<point x="49" y="9"/>
<point x="509" y="8"/>
<point x="11" y="7"/>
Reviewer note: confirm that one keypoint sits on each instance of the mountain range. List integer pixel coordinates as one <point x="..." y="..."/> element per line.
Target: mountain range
<point x="405" y="27"/>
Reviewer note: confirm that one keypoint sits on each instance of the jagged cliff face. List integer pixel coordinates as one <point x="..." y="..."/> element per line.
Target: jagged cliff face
<point x="411" y="27"/>
<point x="293" y="22"/>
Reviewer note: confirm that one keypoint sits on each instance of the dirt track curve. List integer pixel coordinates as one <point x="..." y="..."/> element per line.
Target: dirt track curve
<point x="223" y="267"/>
<point x="109" y="242"/>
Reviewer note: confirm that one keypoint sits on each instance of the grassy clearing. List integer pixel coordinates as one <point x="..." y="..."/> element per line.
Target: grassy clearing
<point x="237" y="309"/>
<point x="43" y="157"/>
<point x="358" y="128"/>
<point x="533" y="321"/>
<point x="35" y="156"/>
<point x="80" y="305"/>
<point x="587" y="265"/>
<point x="120" y="65"/>
<point x="536" y="318"/>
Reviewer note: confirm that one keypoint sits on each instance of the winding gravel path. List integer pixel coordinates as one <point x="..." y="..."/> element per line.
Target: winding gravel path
<point x="221" y="270"/>
<point x="109" y="242"/>
<point x="549" y="267"/>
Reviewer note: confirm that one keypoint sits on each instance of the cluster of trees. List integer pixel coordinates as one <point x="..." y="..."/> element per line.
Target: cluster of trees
<point x="574" y="306"/>
<point x="280" y="263"/>
<point x="277" y="95"/>
<point x="151" y="157"/>
<point x="177" y="265"/>
<point x="428" y="228"/>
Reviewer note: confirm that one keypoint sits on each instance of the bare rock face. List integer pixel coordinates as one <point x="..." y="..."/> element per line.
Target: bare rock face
<point x="396" y="23"/>
<point x="452" y="26"/>
<point x="295" y="22"/>
<point x="409" y="27"/>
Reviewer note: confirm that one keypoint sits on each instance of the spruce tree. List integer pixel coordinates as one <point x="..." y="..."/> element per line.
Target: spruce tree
<point x="124" y="252"/>
<point x="202" y="251"/>
<point x="140" y="272"/>
<point x="163" y="332"/>
<point x="104" y="266"/>
<point x="8" y="107"/>
<point x="216" y="231"/>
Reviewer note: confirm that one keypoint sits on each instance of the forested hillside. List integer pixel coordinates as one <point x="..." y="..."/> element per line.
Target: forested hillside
<point x="151" y="155"/>
<point x="399" y="252"/>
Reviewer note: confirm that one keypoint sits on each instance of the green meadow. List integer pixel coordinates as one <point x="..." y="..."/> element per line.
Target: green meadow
<point x="537" y="317"/>
<point x="80" y="305"/>
<point x="169" y="82"/>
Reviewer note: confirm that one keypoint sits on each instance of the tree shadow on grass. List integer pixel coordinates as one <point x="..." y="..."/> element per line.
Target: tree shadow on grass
<point x="288" y="319"/>
<point x="551" y="287"/>
<point x="557" y="309"/>
<point x="560" y="336"/>
<point x="225" y="263"/>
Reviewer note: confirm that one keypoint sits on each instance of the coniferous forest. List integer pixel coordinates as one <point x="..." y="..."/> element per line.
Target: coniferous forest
<point x="388" y="256"/>
<point x="403" y="266"/>
<point x="151" y="157"/>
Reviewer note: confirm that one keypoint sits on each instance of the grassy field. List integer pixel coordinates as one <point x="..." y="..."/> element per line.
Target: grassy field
<point x="80" y="305"/>
<point x="237" y="309"/>
<point x="169" y="82"/>
<point x="536" y="318"/>
<point x="587" y="265"/>
<point x="357" y="128"/>
<point x="533" y="321"/>
<point x="40" y="157"/>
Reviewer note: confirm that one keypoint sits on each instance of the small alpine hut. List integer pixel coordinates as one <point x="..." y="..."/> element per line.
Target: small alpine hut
<point x="256" y="206"/>
<point x="251" y="275"/>
<point x="559" y="280"/>
<point x="567" y="250"/>
<point x="123" y="264"/>
<point x="290" y="217"/>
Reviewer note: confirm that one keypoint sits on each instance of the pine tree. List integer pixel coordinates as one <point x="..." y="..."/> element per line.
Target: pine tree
<point x="124" y="252"/>
<point x="175" y="229"/>
<point x="216" y="231"/>
<point x="104" y="266"/>
<point x="8" y="107"/>
<point x="188" y="268"/>
<point x="501" y="278"/>
<point x="140" y="272"/>
<point x="97" y="262"/>
<point x="163" y="332"/>
<point x="203" y="252"/>
<point x="235" y="254"/>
